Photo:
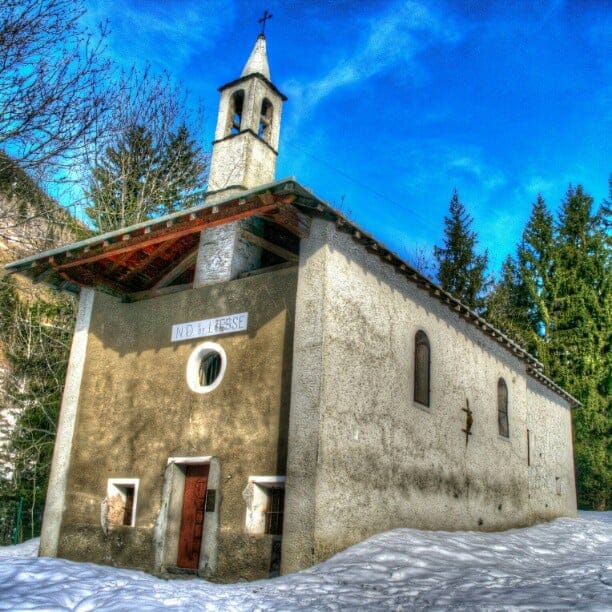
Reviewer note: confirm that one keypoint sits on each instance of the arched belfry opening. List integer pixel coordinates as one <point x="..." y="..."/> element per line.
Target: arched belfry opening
<point x="234" y="115"/>
<point x="248" y="128"/>
<point x="264" y="129"/>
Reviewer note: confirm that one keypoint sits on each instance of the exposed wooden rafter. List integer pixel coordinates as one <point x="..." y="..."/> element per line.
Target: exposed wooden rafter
<point x="152" y="256"/>
<point x="292" y="220"/>
<point x="270" y="246"/>
<point x="178" y="269"/>
<point x="209" y="217"/>
<point x="137" y="296"/>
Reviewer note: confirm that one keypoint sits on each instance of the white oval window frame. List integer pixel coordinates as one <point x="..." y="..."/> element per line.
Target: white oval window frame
<point x="193" y="367"/>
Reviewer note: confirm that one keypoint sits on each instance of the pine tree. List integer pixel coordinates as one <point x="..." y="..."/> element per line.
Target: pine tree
<point x="507" y="304"/>
<point x="460" y="270"/>
<point x="144" y="175"/>
<point x="535" y="257"/>
<point x="579" y="340"/>
<point x="554" y="298"/>
<point x="183" y="168"/>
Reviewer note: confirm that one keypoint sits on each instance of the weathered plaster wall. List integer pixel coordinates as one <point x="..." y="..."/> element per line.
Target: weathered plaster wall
<point x="552" y="485"/>
<point x="240" y="160"/>
<point x="224" y="254"/>
<point x="136" y="411"/>
<point x="383" y="461"/>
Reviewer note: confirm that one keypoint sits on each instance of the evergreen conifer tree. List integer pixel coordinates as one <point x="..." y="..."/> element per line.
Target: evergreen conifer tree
<point x="554" y="298"/>
<point x="507" y="304"/>
<point x="579" y="339"/>
<point x="460" y="270"/>
<point x="536" y="255"/>
<point x="144" y="175"/>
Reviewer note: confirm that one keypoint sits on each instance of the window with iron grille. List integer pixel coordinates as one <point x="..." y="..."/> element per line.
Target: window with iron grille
<point x="206" y="367"/>
<point x="210" y="367"/>
<point x="274" y="513"/>
<point x="421" y="368"/>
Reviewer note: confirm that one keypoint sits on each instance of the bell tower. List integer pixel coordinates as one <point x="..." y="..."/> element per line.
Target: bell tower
<point x="243" y="156"/>
<point x="248" y="128"/>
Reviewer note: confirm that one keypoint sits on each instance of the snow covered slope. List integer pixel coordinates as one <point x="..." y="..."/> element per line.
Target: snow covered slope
<point x="559" y="565"/>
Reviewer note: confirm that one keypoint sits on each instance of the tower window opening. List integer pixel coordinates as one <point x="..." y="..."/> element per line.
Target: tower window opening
<point x="265" y="120"/>
<point x="235" y="112"/>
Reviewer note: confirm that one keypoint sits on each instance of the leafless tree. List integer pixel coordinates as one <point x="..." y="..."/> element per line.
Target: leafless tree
<point x="51" y="68"/>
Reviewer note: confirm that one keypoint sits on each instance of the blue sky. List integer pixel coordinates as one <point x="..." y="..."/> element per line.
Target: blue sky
<point x="394" y="103"/>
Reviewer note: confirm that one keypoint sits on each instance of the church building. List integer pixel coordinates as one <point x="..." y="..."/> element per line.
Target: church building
<point x="256" y="383"/>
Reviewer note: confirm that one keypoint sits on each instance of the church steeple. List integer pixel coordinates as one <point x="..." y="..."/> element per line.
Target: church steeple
<point x="248" y="128"/>
<point x="258" y="60"/>
<point x="243" y="157"/>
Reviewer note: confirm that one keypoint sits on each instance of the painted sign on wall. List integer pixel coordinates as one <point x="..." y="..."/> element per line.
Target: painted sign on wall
<point x="210" y="327"/>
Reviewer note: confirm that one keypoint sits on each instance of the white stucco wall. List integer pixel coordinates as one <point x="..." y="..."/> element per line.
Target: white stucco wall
<point x="552" y="484"/>
<point x="363" y="456"/>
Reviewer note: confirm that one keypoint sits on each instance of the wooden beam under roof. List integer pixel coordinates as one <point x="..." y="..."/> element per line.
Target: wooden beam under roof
<point x="90" y="278"/>
<point x="137" y="296"/>
<point x="177" y="270"/>
<point x="137" y="268"/>
<point x="270" y="246"/>
<point x="292" y="220"/>
<point x="118" y="262"/>
<point x="225" y="214"/>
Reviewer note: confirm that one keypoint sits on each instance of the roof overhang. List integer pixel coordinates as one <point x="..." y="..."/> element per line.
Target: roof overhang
<point x="139" y="258"/>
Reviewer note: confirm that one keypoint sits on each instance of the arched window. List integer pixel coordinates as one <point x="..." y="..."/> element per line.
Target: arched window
<point x="265" y="120"/>
<point x="502" y="408"/>
<point x="421" y="368"/>
<point x="235" y="112"/>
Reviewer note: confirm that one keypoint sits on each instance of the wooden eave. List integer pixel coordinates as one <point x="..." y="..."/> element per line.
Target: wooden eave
<point x="136" y="258"/>
<point x="133" y="261"/>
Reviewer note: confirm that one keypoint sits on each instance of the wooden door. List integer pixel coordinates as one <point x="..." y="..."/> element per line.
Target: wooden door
<point x="192" y="516"/>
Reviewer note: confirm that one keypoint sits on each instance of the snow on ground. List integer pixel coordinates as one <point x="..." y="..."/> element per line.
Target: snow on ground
<point x="559" y="565"/>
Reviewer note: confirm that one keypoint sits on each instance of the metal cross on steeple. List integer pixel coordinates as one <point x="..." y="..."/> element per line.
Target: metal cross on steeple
<point x="263" y="20"/>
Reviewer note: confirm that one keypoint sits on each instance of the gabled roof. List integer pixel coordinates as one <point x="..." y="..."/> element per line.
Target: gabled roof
<point x="142" y="257"/>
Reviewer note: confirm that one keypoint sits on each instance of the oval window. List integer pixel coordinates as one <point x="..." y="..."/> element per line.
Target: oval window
<point x="206" y="367"/>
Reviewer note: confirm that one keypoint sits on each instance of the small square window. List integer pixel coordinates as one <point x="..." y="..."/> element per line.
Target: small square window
<point x="121" y="496"/>
<point x="265" y="505"/>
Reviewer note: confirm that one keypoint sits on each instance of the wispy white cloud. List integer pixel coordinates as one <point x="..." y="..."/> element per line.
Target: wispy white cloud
<point x="159" y="33"/>
<point x="393" y="40"/>
<point x="475" y="167"/>
<point x="538" y="184"/>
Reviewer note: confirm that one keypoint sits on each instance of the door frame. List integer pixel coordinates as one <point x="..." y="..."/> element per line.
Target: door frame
<point x="168" y="524"/>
